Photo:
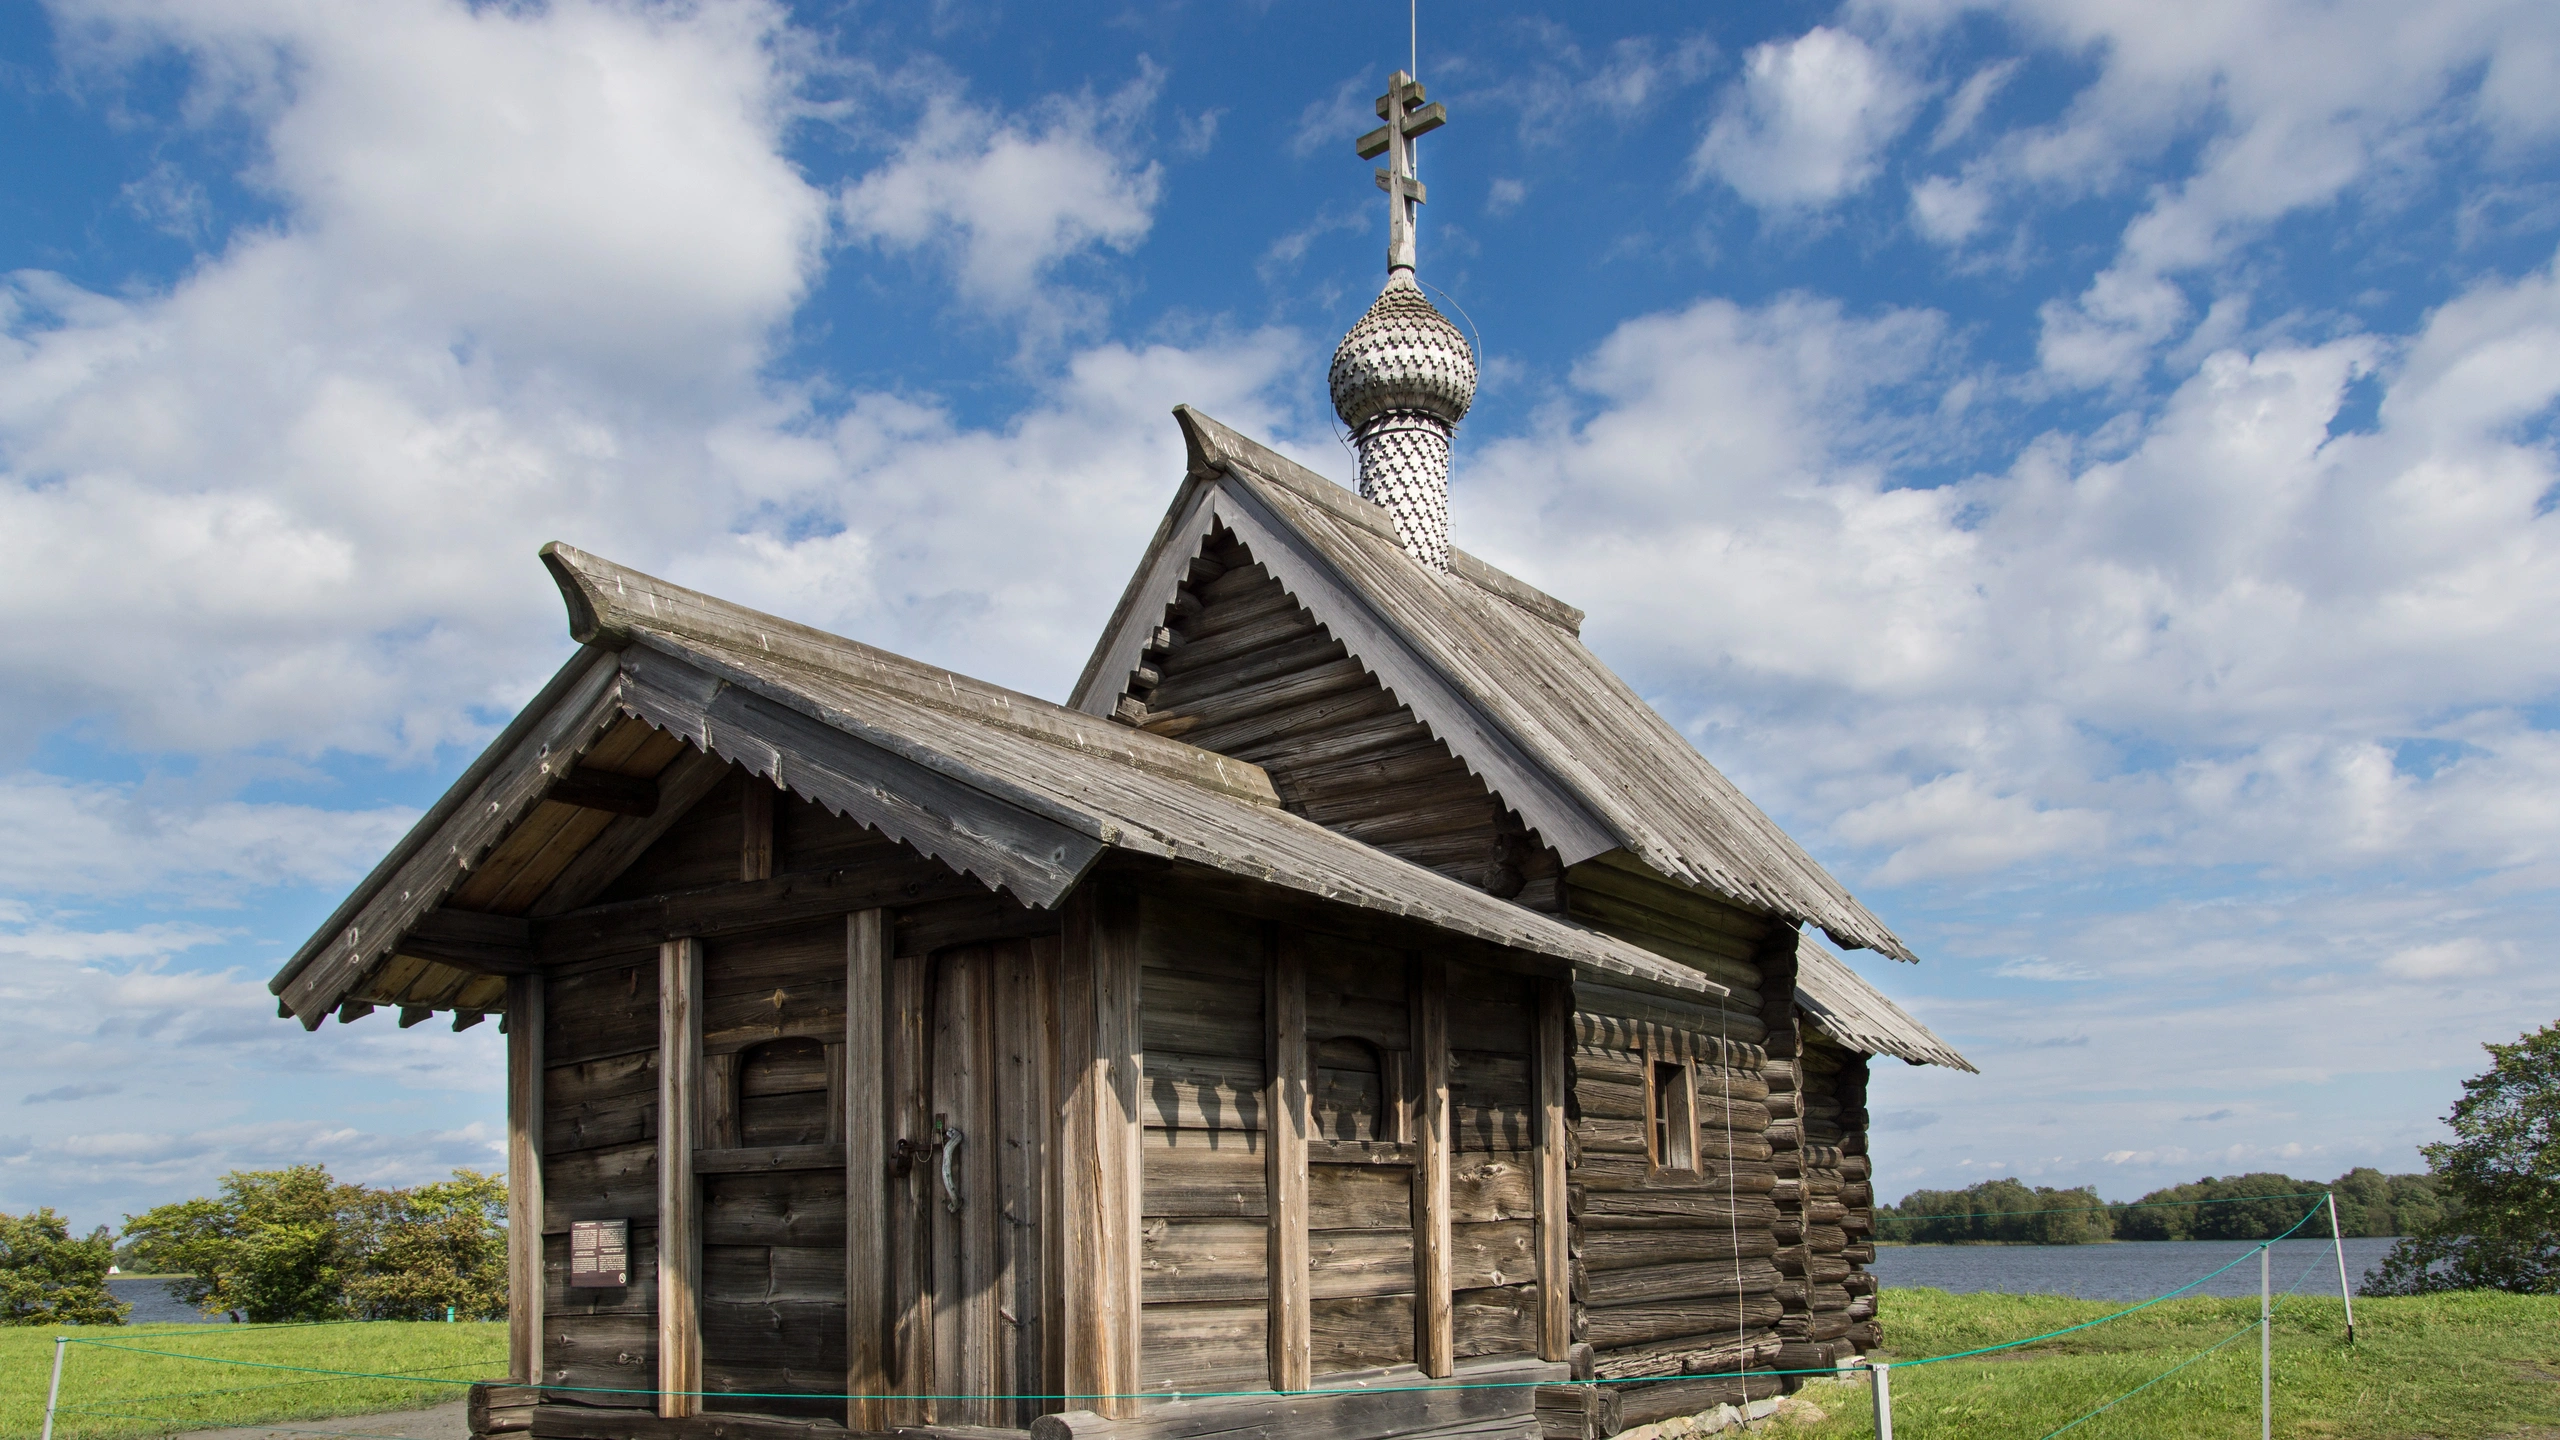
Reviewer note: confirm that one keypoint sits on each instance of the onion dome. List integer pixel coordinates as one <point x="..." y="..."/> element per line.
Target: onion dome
<point x="1404" y="355"/>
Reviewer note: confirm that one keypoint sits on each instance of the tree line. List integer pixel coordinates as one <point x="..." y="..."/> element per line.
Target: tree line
<point x="276" y="1245"/>
<point x="2256" y="1206"/>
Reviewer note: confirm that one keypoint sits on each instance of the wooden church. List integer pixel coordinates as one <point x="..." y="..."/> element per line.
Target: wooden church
<point x="1355" y="1013"/>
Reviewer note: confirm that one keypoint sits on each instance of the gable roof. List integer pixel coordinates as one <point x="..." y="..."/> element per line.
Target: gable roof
<point x="1021" y="794"/>
<point x="1498" y="671"/>
<point x="1845" y="1007"/>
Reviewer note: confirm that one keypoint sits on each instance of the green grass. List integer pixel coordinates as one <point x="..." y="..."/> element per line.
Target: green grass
<point x="2450" y="1367"/>
<point x="111" y="1393"/>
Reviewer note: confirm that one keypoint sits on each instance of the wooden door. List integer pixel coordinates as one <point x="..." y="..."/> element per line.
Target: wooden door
<point x="985" y="1212"/>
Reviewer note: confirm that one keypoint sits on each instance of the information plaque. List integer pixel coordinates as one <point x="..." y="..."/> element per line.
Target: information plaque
<point x="599" y="1254"/>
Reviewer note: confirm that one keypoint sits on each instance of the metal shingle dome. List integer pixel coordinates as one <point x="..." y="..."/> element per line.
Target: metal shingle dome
<point x="1403" y="355"/>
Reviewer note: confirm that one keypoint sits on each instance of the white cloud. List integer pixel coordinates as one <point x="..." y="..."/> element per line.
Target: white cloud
<point x="1965" y="107"/>
<point x="1808" y="121"/>
<point x="2290" y="107"/>
<point x="2463" y="959"/>
<point x="1949" y="210"/>
<point x="1006" y="202"/>
<point x="1964" y="676"/>
<point x="65" y="838"/>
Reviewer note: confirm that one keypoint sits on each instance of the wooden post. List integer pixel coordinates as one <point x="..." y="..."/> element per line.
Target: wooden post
<point x="1289" y="1106"/>
<point x="911" y="1194"/>
<point x="1435" y="1341"/>
<point x="864" y="1123"/>
<point x="524" y="1178"/>
<point x="1099" y="1053"/>
<point x="679" y="1200"/>
<point x="755" y="855"/>
<point x="1555" y="1232"/>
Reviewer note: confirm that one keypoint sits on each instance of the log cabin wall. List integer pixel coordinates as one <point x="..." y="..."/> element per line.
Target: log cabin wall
<point x="776" y="1094"/>
<point x="1835" y="1114"/>
<point x="1682" y="1241"/>
<point x="1239" y="668"/>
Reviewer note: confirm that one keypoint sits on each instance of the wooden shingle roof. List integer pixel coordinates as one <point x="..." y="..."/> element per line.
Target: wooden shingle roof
<point x="1021" y="794"/>
<point x="1497" y="669"/>
<point x="1856" y="1014"/>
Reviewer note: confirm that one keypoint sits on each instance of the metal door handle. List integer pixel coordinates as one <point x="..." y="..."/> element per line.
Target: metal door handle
<point x="950" y="1191"/>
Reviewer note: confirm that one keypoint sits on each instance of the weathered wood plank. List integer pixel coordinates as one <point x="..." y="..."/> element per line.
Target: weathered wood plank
<point x="1553" y="1039"/>
<point x="525" y="1025"/>
<point x="864" y="1100"/>
<point x="1212" y="1346"/>
<point x="1187" y="1175"/>
<point x="1292" y="1117"/>
<point x="1358" y="1332"/>
<point x="1359" y="1197"/>
<point x="679" y="1228"/>
<point x="1183" y="1260"/>
<point x="1100" y="1050"/>
<point x="1432" y="1258"/>
<point x="1346" y="1263"/>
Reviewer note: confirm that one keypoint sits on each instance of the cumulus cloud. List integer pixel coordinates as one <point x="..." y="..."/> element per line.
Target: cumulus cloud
<point x="69" y="838"/>
<point x="1006" y="200"/>
<point x="2290" y="106"/>
<point x="2233" y="585"/>
<point x="1808" y="120"/>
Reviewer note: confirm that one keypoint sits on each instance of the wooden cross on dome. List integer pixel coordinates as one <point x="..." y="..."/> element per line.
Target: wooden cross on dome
<point x="1408" y="119"/>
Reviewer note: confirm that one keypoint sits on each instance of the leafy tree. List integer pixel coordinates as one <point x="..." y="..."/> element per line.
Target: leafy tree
<point x="273" y="1247"/>
<point x="298" y="1245"/>
<point x="2501" y="1175"/>
<point x="432" y="1247"/>
<point x="48" y="1278"/>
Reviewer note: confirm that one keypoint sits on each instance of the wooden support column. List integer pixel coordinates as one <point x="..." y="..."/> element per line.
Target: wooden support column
<point x="1290" y="1107"/>
<point x="911" y="1186"/>
<point x="1435" y="1341"/>
<point x="863" y="1120"/>
<point x="679" y="1198"/>
<point x="1099" y="1053"/>
<point x="524" y="1178"/>
<point x="1555" y="1230"/>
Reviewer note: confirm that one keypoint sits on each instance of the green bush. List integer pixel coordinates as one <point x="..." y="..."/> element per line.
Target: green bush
<point x="48" y="1278"/>
<point x="2499" y="1178"/>
<point x="295" y="1244"/>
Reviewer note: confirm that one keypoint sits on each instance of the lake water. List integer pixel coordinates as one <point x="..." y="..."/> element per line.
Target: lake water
<point x="2124" y="1270"/>
<point x="152" y="1303"/>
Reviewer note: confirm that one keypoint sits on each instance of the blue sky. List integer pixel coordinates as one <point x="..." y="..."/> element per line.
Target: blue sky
<point x="2086" y="468"/>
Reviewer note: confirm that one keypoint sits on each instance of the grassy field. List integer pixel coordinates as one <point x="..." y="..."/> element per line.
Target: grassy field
<point x="2451" y="1367"/>
<point x="112" y="1393"/>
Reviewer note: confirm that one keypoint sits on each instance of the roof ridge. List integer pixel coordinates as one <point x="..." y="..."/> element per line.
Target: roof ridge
<point x="611" y="604"/>
<point x="1214" y="447"/>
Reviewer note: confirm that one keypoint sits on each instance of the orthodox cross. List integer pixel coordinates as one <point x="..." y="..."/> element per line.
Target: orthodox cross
<point x="1408" y="119"/>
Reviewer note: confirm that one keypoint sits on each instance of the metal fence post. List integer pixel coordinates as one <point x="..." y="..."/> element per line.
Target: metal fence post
<point x="1884" y="1398"/>
<point x="53" y="1395"/>
<point x="2339" y="1241"/>
<point x="2266" y="1348"/>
